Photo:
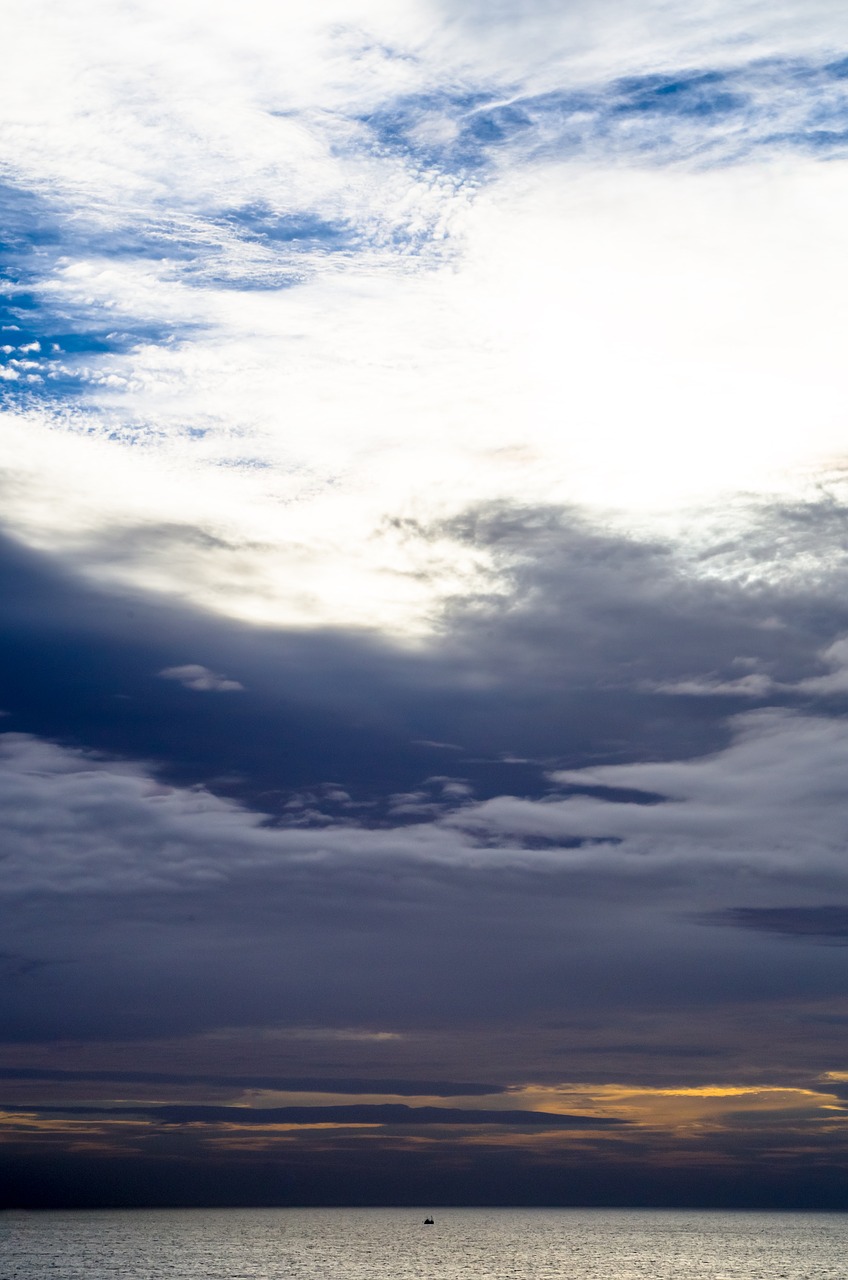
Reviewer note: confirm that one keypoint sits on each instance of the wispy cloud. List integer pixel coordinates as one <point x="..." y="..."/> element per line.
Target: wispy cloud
<point x="194" y="676"/>
<point x="255" y="226"/>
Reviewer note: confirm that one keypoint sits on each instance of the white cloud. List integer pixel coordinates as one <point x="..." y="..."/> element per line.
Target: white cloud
<point x="755" y="685"/>
<point x="78" y="822"/>
<point x="638" y="342"/>
<point x="765" y="815"/>
<point x="836" y="680"/>
<point x="764" y="818"/>
<point x="626" y="36"/>
<point x="193" y="676"/>
<point x="758" y="684"/>
<point x="592" y="364"/>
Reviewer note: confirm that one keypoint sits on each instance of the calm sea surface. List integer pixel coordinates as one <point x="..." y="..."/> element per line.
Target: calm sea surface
<point x="393" y="1244"/>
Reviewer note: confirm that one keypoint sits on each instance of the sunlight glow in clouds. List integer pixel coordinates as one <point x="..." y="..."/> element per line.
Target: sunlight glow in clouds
<point x="324" y="304"/>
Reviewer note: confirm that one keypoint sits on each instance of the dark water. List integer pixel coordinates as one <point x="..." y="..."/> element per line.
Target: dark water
<point x="393" y="1244"/>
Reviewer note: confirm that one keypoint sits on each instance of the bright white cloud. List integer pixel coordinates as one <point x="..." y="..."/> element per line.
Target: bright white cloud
<point x="635" y="340"/>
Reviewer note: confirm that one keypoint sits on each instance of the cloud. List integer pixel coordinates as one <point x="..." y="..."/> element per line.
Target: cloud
<point x="303" y="223"/>
<point x="714" y="115"/>
<point x="752" y="686"/>
<point x="194" y="676"/>
<point x="368" y="1114"/>
<point x="773" y="799"/>
<point x="158" y="882"/>
<point x="438" y="371"/>
<point x="830" y="922"/>
<point x="268" y="919"/>
<point x="834" y="656"/>
<point x="283" y="1084"/>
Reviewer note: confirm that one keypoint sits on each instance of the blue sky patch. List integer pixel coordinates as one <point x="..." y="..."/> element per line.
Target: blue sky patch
<point x="724" y="114"/>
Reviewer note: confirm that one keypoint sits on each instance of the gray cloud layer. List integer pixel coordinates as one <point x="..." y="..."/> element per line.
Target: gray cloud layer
<point x="138" y="903"/>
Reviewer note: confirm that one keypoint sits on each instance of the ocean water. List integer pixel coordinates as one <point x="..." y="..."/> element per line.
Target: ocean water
<point x="393" y="1244"/>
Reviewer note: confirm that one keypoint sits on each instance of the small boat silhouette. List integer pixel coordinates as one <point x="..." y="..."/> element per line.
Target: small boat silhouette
<point x="428" y="1222"/>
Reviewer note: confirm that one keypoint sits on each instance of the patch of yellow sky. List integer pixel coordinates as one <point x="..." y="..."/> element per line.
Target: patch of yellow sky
<point x="643" y="1106"/>
<point x="685" y="1113"/>
<point x="675" y="1109"/>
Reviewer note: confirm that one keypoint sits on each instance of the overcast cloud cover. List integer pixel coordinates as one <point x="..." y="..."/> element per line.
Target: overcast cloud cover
<point x="424" y="601"/>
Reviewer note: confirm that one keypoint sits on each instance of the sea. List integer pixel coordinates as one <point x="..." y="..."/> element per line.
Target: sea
<point x="394" y="1244"/>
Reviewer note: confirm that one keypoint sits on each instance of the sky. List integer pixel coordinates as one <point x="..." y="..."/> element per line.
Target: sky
<point x="424" y="603"/>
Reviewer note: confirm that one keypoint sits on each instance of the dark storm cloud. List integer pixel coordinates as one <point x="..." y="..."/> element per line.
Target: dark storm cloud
<point x="283" y="1084"/>
<point x="828" y="923"/>
<point x="586" y="605"/>
<point x="82" y="666"/>
<point x="507" y="687"/>
<point x="574" y="657"/>
<point x="155" y="910"/>
<point x="664" y="1050"/>
<point x="140" y="900"/>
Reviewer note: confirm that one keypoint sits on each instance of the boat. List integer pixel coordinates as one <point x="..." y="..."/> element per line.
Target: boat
<point x="429" y="1222"/>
